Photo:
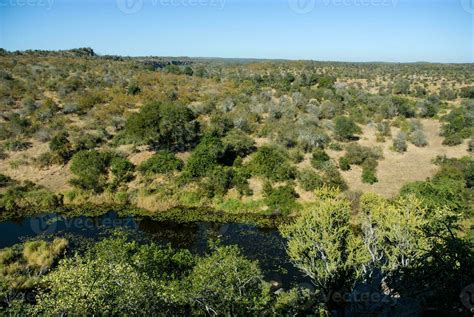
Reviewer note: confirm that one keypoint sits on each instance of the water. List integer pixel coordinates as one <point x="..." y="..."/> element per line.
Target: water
<point x="264" y="245"/>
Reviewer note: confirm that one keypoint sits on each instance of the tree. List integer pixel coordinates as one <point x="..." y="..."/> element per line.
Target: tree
<point x="345" y="128"/>
<point x="322" y="244"/>
<point x="227" y="284"/>
<point x="272" y="163"/>
<point x="90" y="167"/>
<point x="166" y="126"/>
<point x="161" y="162"/>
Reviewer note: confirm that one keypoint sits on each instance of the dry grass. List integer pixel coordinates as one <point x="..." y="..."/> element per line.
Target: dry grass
<point x="397" y="169"/>
<point x="54" y="178"/>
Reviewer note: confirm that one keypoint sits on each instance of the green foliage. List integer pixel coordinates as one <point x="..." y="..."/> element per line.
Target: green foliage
<point x="281" y="200"/>
<point x="319" y="159"/>
<point x="161" y="162"/>
<point x="459" y="124"/>
<point x="207" y="155"/>
<point x="225" y="283"/>
<point x="61" y="148"/>
<point x="344" y="163"/>
<point x="121" y="168"/>
<point x="467" y="92"/>
<point x="238" y="143"/>
<point x="90" y="169"/>
<point x="322" y="245"/>
<point x="358" y="154"/>
<point x="166" y="126"/>
<point x="218" y="181"/>
<point x="345" y="128"/>
<point x="309" y="180"/>
<point x="272" y="162"/>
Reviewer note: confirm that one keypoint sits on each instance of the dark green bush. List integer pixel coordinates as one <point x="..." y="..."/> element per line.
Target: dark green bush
<point x="161" y="162"/>
<point x="239" y="143"/>
<point x="345" y="128"/>
<point x="90" y="168"/>
<point x="121" y="168"/>
<point x="357" y="154"/>
<point x="344" y="163"/>
<point x="163" y="126"/>
<point x="319" y="159"/>
<point x="17" y="145"/>
<point x="61" y="148"/>
<point x="333" y="178"/>
<point x="272" y="163"/>
<point x="208" y="154"/>
<point x="453" y="140"/>
<point x="281" y="199"/>
<point x="218" y="181"/>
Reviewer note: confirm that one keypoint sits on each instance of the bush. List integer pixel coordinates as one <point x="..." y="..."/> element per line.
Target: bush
<point x="272" y="163"/>
<point x="453" y="140"/>
<point x="61" y="147"/>
<point x="345" y="128"/>
<point x="368" y="176"/>
<point x="17" y="145"/>
<point x="319" y="159"/>
<point x="470" y="147"/>
<point x="418" y="138"/>
<point x="281" y="199"/>
<point x="309" y="180"/>
<point x="209" y="152"/>
<point x="90" y="169"/>
<point x="161" y="162"/>
<point x="358" y="154"/>
<point x="238" y="143"/>
<point x="333" y="178"/>
<point x="218" y="181"/>
<point x="121" y="168"/>
<point x="165" y="126"/>
<point x="399" y="143"/>
<point x="344" y="163"/>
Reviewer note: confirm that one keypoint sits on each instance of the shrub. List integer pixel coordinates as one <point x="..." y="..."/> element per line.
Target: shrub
<point x="218" y="181"/>
<point x="90" y="169"/>
<point x="369" y="171"/>
<point x="309" y="180"/>
<point x="161" y="162"/>
<point x="166" y="126"/>
<point x="272" y="163"/>
<point x="333" y="178"/>
<point x="121" y="168"/>
<point x="133" y="89"/>
<point x="17" y="145"/>
<point x="319" y="159"/>
<point x="5" y="180"/>
<point x="281" y="199"/>
<point x="418" y="138"/>
<point x="357" y="154"/>
<point x="470" y="147"/>
<point x="238" y="143"/>
<point x="209" y="152"/>
<point x="344" y="163"/>
<point x="453" y="140"/>
<point x="399" y="143"/>
<point x="345" y="128"/>
<point x="61" y="147"/>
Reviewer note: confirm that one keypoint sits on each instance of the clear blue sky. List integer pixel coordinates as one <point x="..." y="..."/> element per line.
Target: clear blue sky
<point x="337" y="30"/>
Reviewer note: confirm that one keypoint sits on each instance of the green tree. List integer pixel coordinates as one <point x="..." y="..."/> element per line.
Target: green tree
<point x="227" y="284"/>
<point x="345" y="128"/>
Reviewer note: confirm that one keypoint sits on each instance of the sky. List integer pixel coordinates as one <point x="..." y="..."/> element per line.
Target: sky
<point x="329" y="30"/>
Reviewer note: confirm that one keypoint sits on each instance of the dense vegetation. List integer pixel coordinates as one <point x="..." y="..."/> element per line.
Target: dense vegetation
<point x="246" y="138"/>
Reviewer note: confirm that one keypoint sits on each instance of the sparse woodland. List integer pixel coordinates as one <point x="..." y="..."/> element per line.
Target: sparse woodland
<point x="369" y="165"/>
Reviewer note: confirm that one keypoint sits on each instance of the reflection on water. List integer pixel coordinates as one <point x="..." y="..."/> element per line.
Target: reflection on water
<point x="264" y="245"/>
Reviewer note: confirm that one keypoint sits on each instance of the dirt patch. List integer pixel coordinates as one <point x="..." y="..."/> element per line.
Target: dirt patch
<point x="397" y="169"/>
